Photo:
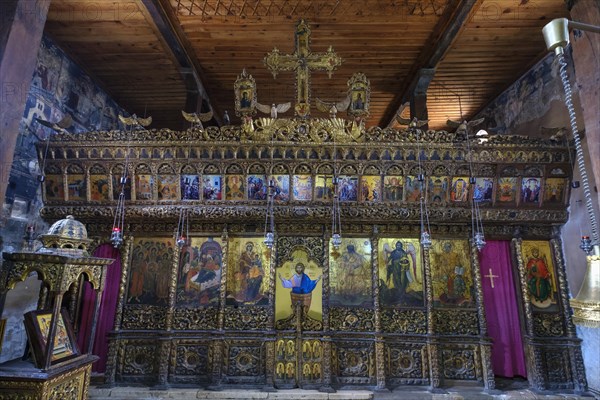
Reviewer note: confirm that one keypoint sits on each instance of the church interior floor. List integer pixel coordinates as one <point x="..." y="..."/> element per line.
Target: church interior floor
<point x="509" y="391"/>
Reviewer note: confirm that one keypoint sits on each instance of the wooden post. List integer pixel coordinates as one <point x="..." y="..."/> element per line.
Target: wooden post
<point x="20" y="36"/>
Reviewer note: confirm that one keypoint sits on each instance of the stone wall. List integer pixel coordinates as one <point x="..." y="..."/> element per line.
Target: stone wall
<point x="59" y="87"/>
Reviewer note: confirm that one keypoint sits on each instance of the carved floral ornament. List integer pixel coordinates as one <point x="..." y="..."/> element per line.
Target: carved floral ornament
<point x="313" y="130"/>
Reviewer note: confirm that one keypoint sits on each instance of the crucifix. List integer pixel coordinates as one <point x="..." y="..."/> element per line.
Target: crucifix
<point x="491" y="276"/>
<point x="302" y="61"/>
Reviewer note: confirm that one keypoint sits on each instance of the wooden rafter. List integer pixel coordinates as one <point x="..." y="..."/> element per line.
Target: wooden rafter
<point x="440" y="40"/>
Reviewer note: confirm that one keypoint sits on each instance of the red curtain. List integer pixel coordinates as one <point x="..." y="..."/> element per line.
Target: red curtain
<point x="108" y="308"/>
<point x="501" y="310"/>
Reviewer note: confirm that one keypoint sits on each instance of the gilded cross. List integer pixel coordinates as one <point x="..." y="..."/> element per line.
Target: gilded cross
<point x="491" y="276"/>
<point x="302" y="61"/>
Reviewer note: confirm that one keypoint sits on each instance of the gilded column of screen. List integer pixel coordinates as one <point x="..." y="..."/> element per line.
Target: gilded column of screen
<point x="215" y="355"/>
<point x="517" y="245"/>
<point x="563" y="287"/>
<point x="223" y="291"/>
<point x="113" y="340"/>
<point x="326" y="339"/>
<point x="434" y="367"/>
<point x="484" y="341"/>
<point x="270" y="340"/>
<point x="575" y="354"/>
<point x="164" y="341"/>
<point x="534" y="356"/>
<point x="379" y="342"/>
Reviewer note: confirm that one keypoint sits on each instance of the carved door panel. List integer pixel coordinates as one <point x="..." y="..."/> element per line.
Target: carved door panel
<point x="298" y="363"/>
<point x="311" y="357"/>
<point x="285" y="363"/>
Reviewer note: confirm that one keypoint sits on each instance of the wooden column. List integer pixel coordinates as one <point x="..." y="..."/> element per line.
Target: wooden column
<point x="20" y="36"/>
<point x="586" y="51"/>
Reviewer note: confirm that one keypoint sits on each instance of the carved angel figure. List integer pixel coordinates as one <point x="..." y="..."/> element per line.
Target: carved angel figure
<point x="134" y="120"/>
<point x="411" y="123"/>
<point x="464" y="127"/>
<point x="333" y="107"/>
<point x="556" y="134"/>
<point x="197" y="118"/>
<point x="274" y="110"/>
<point x="60" y="126"/>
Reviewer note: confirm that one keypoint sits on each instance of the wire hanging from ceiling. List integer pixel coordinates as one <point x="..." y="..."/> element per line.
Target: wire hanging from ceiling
<point x="116" y="236"/>
<point x="477" y="232"/>
<point x="182" y="236"/>
<point x="269" y="236"/>
<point x="424" y="212"/>
<point x="132" y="122"/>
<point x="336" y="218"/>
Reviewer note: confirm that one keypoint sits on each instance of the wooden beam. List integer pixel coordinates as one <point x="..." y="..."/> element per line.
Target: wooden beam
<point x="418" y="94"/>
<point x="167" y="26"/>
<point x="20" y="37"/>
<point x="445" y="32"/>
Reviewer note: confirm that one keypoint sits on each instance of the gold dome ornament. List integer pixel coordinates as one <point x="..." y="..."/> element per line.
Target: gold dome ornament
<point x="66" y="237"/>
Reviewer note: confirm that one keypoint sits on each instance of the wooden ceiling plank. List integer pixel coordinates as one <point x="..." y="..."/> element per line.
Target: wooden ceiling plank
<point x="442" y="37"/>
<point x="193" y="85"/>
<point x="189" y="51"/>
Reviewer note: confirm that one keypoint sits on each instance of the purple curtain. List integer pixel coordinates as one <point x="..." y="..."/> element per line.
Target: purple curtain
<point x="501" y="309"/>
<point x="108" y="308"/>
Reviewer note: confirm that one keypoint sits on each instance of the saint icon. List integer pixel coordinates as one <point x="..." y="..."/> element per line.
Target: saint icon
<point x="301" y="285"/>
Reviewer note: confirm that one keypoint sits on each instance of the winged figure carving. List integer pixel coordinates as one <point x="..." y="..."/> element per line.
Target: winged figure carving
<point x="465" y="126"/>
<point x="333" y="107"/>
<point x="60" y="126"/>
<point x="197" y="118"/>
<point x="412" y="123"/>
<point x="554" y="134"/>
<point x="274" y="110"/>
<point x="134" y="120"/>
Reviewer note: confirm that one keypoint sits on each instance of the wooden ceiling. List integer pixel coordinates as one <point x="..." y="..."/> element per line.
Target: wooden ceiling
<point x="159" y="57"/>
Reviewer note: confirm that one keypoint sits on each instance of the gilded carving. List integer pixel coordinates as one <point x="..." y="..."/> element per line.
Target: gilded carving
<point x="352" y="319"/>
<point x="244" y="361"/>
<point x="19" y="396"/>
<point x="516" y="244"/>
<point x="247" y="318"/>
<point x="406" y="363"/>
<point x="203" y="318"/>
<point x="548" y="325"/>
<point x="139" y="359"/>
<point x="143" y="317"/>
<point x="355" y="364"/>
<point x="286" y="245"/>
<point x="375" y="213"/>
<point x="307" y="322"/>
<point x="455" y="322"/>
<point x="191" y="360"/>
<point x="68" y="389"/>
<point x="557" y="365"/>
<point x="404" y="322"/>
<point x="459" y="364"/>
<point x="563" y="287"/>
